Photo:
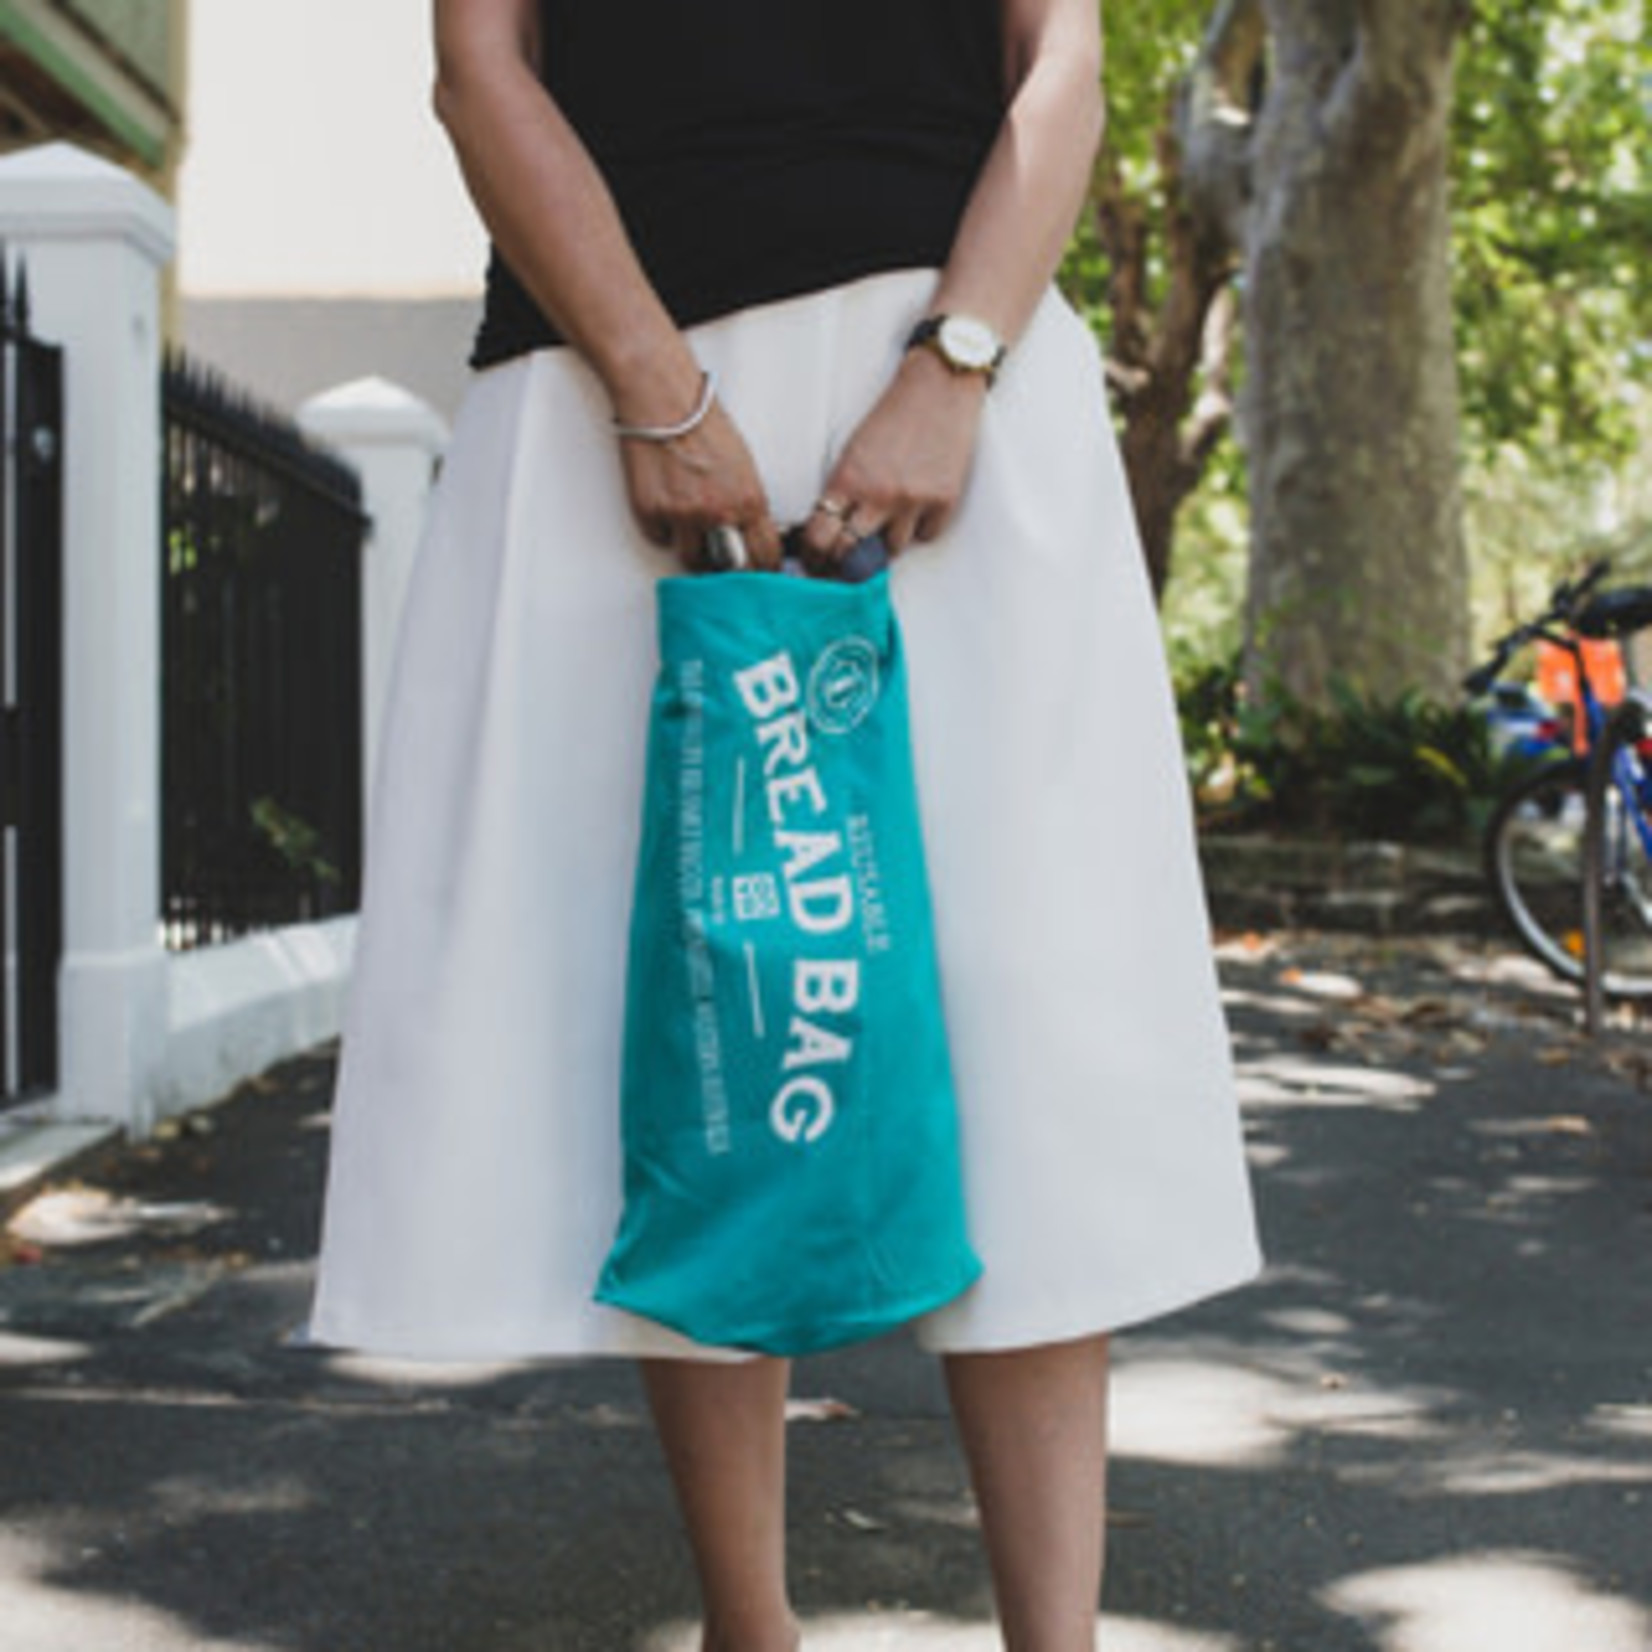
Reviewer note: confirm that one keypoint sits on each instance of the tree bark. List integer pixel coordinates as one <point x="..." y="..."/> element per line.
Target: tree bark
<point x="1336" y="185"/>
<point x="1171" y="361"/>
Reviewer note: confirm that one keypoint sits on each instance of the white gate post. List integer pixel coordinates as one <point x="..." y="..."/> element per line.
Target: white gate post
<point x="393" y="439"/>
<point x="95" y="240"/>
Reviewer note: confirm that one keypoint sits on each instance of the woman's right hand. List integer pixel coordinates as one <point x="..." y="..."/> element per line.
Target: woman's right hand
<point x="681" y="488"/>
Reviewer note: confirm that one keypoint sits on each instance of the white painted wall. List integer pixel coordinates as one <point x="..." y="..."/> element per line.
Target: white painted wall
<point x="145" y="1033"/>
<point x="314" y="165"/>
<point x="94" y="240"/>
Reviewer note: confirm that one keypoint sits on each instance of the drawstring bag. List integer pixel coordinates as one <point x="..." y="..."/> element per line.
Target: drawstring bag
<point x="792" y="1177"/>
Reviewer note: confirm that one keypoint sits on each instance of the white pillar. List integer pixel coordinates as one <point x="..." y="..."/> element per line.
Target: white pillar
<point x="394" y="440"/>
<point x="96" y="240"/>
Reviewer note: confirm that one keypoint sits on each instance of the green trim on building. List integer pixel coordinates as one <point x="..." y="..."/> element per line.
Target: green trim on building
<point x="147" y="140"/>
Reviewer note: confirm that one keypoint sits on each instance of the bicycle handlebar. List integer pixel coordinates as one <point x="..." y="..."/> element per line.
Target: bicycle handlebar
<point x="1564" y="601"/>
<point x="1568" y="595"/>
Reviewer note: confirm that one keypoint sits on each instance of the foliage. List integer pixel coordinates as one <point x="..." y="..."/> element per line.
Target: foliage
<point x="1201" y="614"/>
<point x="1403" y="768"/>
<point x="1531" y="526"/>
<point x="1553" y="218"/>
<point x="295" y="841"/>
<point x="1552" y="226"/>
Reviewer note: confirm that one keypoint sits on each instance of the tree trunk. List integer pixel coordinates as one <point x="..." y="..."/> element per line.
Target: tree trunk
<point x="1171" y="360"/>
<point x="1349" y="413"/>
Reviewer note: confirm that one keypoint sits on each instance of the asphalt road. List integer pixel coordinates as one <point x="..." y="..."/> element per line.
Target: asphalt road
<point x="1428" y="1429"/>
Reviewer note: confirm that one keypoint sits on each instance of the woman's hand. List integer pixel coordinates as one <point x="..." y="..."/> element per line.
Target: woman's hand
<point x="904" y="469"/>
<point x="682" y="488"/>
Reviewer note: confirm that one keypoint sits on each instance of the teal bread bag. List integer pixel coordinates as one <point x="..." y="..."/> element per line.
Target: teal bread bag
<point x="792" y="1176"/>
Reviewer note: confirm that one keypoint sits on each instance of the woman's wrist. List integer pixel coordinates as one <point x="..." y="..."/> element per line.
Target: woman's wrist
<point x="924" y="368"/>
<point x="691" y="421"/>
<point x="652" y="382"/>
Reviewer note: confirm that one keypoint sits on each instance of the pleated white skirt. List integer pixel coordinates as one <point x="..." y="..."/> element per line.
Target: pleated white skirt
<point x="474" y="1181"/>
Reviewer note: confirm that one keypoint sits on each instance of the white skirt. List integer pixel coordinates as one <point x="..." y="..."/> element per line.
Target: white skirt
<point x="474" y="1181"/>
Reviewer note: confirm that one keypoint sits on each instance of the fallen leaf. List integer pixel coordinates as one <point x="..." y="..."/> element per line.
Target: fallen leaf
<point x="1633" y="1065"/>
<point x="1324" y="983"/>
<point x="1430" y="1012"/>
<point x="1375" y="1007"/>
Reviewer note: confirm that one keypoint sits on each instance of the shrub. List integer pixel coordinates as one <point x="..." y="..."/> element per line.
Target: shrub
<point x="1405" y="767"/>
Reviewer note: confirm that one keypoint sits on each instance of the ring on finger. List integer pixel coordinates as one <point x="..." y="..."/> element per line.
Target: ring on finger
<point x="827" y="506"/>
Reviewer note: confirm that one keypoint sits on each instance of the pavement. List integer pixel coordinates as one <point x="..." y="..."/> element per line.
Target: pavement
<point x="1427" y="1429"/>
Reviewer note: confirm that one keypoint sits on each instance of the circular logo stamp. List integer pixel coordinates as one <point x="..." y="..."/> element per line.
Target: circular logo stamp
<point x="844" y="685"/>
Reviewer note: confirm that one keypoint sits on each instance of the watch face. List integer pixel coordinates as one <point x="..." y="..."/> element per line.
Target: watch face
<point x="968" y="342"/>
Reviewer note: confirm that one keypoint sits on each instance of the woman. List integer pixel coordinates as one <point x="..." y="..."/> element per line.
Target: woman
<point x="763" y="264"/>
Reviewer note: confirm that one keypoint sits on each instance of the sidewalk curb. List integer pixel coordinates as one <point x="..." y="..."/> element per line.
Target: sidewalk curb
<point x="33" y="1153"/>
<point x="1254" y="881"/>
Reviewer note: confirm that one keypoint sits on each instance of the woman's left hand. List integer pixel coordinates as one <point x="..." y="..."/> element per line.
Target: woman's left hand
<point x="904" y="469"/>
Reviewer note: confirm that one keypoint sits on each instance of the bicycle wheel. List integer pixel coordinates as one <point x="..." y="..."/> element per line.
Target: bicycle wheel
<point x="1534" y="861"/>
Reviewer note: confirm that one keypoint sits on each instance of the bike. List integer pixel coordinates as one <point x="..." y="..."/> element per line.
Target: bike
<point x="1536" y="840"/>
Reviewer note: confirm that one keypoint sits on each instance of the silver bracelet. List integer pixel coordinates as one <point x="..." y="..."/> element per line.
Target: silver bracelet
<point x="670" y="432"/>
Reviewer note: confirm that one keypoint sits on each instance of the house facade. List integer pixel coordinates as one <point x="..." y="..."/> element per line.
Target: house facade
<point x="108" y="75"/>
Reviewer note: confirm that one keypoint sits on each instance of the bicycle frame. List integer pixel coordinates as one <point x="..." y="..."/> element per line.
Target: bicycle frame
<point x="1533" y="833"/>
<point x="1630" y="777"/>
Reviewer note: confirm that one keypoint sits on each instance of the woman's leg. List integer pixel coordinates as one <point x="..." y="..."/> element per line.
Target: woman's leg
<point x="723" y="1430"/>
<point x="1034" y="1427"/>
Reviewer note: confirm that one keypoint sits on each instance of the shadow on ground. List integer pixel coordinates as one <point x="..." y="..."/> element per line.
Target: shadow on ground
<point x="1428" y="1428"/>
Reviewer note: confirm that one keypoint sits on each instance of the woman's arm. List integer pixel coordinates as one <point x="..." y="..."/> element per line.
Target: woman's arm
<point x="552" y="216"/>
<point x="904" y="469"/>
<point x="1022" y="213"/>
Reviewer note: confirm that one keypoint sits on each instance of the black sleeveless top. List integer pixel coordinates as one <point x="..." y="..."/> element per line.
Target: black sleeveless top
<point x="759" y="149"/>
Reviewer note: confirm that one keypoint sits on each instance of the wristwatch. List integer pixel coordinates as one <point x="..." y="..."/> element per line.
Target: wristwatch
<point x="965" y="344"/>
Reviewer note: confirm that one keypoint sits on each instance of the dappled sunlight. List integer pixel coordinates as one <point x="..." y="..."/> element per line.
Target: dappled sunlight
<point x="1622" y="1422"/>
<point x="1310" y="1322"/>
<point x="40" y="1617"/>
<point x="1219" y="1414"/>
<point x="72" y="1217"/>
<point x="1140" y="1635"/>
<point x="1446" y="1354"/>
<point x="19" y="1350"/>
<point x="899" y="1631"/>
<point x="183" y="1499"/>
<point x="1500" y="1472"/>
<point x="1274" y="1003"/>
<point x="1266" y="1155"/>
<point x="1287" y="1079"/>
<point x="1195" y="1411"/>
<point x="1512" y="1602"/>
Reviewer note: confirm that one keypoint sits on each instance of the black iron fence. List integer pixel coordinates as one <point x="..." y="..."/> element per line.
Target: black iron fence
<point x="261" y="669"/>
<point x="31" y="698"/>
